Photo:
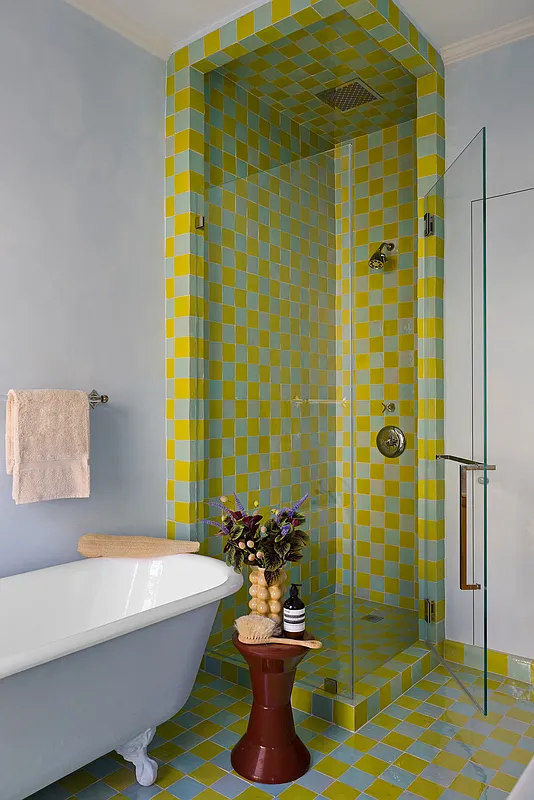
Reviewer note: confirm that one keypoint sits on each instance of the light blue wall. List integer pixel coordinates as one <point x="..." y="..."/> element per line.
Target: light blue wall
<point x="495" y="89"/>
<point x="81" y="263"/>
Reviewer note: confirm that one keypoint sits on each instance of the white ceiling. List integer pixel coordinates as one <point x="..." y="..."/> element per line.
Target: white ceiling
<point x="161" y="25"/>
<point x="452" y="21"/>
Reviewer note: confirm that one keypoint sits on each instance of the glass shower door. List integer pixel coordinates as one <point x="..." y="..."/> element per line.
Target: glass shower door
<point x="454" y="460"/>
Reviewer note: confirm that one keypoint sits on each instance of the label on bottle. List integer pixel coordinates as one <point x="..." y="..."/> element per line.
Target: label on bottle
<point x="294" y="620"/>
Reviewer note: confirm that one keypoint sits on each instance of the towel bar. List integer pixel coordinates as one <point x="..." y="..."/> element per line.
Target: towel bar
<point x="94" y="398"/>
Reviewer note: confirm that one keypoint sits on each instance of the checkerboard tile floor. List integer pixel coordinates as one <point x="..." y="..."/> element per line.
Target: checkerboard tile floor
<point x="375" y="643"/>
<point x="430" y="744"/>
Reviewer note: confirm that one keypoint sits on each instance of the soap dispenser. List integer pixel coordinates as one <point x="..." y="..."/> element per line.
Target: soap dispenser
<point x="294" y="614"/>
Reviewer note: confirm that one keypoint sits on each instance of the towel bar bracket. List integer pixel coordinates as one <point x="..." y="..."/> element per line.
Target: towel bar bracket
<point x="95" y="398"/>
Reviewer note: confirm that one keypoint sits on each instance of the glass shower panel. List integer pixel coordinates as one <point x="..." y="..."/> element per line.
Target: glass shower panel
<point x="277" y="260"/>
<point x="454" y="466"/>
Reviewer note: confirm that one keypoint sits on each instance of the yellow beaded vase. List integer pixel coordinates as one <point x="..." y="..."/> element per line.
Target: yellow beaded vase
<point x="266" y="600"/>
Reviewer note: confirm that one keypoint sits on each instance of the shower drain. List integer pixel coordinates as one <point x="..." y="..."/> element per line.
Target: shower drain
<point x="373" y="618"/>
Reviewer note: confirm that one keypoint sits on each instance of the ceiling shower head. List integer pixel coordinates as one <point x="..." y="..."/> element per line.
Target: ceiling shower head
<point x="379" y="259"/>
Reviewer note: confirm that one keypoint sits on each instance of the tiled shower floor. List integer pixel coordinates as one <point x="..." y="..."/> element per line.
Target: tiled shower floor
<point x="328" y="619"/>
<point x="430" y="744"/>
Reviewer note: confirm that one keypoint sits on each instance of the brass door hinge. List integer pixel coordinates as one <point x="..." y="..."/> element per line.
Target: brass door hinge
<point x="430" y="610"/>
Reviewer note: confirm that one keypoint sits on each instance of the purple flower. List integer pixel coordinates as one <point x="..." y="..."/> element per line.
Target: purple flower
<point x="215" y="524"/>
<point x="226" y="510"/>
<point x="239" y="504"/>
<point x="285" y="529"/>
<point x="298" y="504"/>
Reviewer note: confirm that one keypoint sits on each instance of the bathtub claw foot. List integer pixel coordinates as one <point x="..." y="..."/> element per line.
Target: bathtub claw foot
<point x="146" y="769"/>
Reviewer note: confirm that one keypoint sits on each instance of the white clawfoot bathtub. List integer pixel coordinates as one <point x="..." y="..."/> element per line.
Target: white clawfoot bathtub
<point x="94" y="655"/>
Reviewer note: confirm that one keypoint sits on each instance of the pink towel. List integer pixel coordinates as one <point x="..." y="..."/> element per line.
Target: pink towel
<point x="47" y="444"/>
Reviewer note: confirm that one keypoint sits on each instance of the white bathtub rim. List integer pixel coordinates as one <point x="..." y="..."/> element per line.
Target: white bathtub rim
<point x="19" y="662"/>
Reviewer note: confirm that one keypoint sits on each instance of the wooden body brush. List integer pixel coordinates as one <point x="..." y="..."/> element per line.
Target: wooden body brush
<point x="255" y="629"/>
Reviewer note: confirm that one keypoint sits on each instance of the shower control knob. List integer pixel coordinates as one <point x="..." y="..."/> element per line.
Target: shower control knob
<point x="391" y="441"/>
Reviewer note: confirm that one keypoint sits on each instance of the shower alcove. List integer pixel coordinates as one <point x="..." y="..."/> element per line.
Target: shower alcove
<point x="300" y="353"/>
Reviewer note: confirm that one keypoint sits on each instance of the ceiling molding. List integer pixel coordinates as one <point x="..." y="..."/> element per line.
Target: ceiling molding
<point x="513" y="32"/>
<point x="214" y="26"/>
<point x="126" y="26"/>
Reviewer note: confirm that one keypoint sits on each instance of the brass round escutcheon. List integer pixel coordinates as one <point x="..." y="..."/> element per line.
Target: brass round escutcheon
<point x="391" y="441"/>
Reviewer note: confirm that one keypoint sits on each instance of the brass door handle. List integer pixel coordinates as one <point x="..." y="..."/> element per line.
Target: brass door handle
<point x="466" y="465"/>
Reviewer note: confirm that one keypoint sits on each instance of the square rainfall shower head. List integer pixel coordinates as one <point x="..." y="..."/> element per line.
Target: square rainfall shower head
<point x="349" y="96"/>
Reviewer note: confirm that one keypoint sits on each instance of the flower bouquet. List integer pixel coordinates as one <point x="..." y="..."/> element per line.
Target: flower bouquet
<point x="254" y="543"/>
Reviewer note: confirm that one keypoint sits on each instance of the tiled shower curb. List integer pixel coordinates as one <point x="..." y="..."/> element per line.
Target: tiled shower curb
<point x="372" y="694"/>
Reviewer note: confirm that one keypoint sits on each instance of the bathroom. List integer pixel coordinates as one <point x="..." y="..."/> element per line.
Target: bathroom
<point x="286" y="352"/>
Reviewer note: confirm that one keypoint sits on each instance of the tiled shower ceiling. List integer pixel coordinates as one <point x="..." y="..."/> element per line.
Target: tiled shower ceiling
<point x="291" y="72"/>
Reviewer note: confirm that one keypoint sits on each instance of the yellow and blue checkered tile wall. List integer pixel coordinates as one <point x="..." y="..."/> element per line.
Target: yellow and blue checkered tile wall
<point x="274" y="333"/>
<point x="384" y="327"/>
<point x="244" y="135"/>
<point x="271" y="295"/>
<point x="185" y="131"/>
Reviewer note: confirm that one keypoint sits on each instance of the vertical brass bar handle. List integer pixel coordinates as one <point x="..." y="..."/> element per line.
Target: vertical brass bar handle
<point x="466" y="466"/>
<point x="466" y="587"/>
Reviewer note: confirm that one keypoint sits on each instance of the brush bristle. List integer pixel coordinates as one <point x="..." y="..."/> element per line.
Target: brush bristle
<point x="254" y="626"/>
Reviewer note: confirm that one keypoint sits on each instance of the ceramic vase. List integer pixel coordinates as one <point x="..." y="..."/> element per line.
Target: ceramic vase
<point x="266" y="600"/>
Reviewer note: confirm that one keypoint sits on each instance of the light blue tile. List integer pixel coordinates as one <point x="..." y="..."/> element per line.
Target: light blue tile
<point x="512" y="768"/>
<point x="98" y="791"/>
<point x="187" y="740"/>
<point x="186" y="762"/>
<point x="357" y="779"/>
<point x="398" y="777"/>
<point x="422" y="750"/>
<point x="230" y="786"/>
<point x="223" y="761"/>
<point x="384" y="752"/>
<point x="136" y="792"/>
<point x="347" y="754"/>
<point x="439" y="775"/>
<point x="315" y="781"/>
<point x="186" y="788"/>
<point x="494" y="746"/>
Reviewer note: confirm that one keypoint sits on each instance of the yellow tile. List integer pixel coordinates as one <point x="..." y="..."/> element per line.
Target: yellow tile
<point x="521" y="756"/>
<point x="323" y="745"/>
<point x="467" y="786"/>
<point x="420" y="719"/>
<point x="315" y="724"/>
<point x="336" y="791"/>
<point x="384" y="791"/>
<point x="397" y="740"/>
<point x="291" y="793"/>
<point x="343" y="715"/>
<point x="508" y="737"/>
<point x="331" y="766"/>
<point x="470" y="737"/>
<point x="125" y="777"/>
<point x="207" y="774"/>
<point x="167" y="775"/>
<point x="361" y="743"/>
<point x="166" y="752"/>
<point x="434" y="739"/>
<point x="374" y="766"/>
<point x="77" y="781"/>
<point x="411" y="764"/>
<point x="207" y="750"/>
<point x="487" y="759"/>
<point x="206" y="729"/>
<point x="254" y="793"/>
<point x="423" y="788"/>
<point x="503" y="781"/>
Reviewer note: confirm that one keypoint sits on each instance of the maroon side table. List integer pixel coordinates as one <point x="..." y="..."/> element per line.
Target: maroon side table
<point x="270" y="751"/>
